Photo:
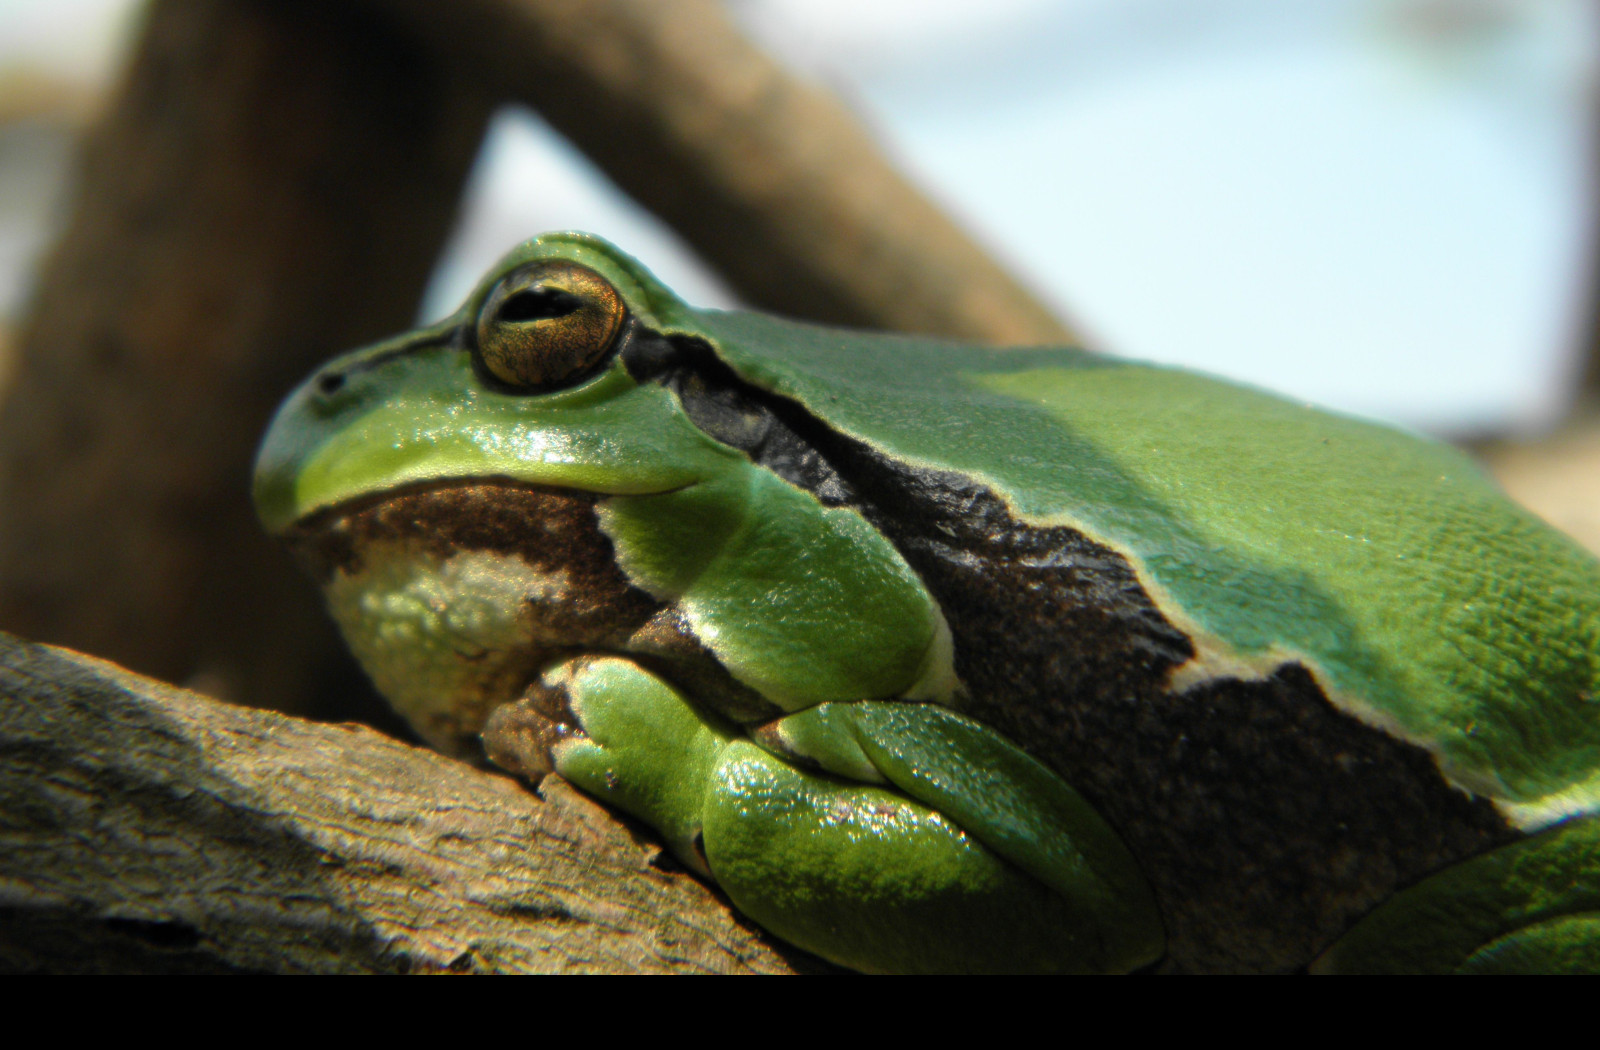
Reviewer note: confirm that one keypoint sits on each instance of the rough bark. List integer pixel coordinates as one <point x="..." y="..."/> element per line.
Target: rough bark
<point x="771" y="179"/>
<point x="148" y="829"/>
<point x="270" y="185"/>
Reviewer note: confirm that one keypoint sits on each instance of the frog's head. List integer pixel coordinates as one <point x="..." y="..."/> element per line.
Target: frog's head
<point x="524" y="481"/>
<point x="526" y="383"/>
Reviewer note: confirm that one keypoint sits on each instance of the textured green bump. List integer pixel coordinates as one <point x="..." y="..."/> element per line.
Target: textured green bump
<point x="1532" y="900"/>
<point x="1568" y="945"/>
<point x="1422" y="600"/>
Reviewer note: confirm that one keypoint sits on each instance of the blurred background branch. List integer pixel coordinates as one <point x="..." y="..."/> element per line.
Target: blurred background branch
<point x="768" y="177"/>
<point x="273" y="181"/>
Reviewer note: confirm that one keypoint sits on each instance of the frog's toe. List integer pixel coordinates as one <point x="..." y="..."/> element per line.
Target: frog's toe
<point x="521" y="737"/>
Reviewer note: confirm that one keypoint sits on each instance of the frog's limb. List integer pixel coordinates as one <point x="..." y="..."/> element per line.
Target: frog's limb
<point x="857" y="873"/>
<point x="643" y="748"/>
<point x="999" y="794"/>
<point x="800" y="602"/>
<point x="866" y="877"/>
<point x="1530" y="907"/>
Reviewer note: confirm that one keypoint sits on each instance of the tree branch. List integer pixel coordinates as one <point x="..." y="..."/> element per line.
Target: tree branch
<point x="148" y="829"/>
<point x="269" y="186"/>
<point x="775" y="182"/>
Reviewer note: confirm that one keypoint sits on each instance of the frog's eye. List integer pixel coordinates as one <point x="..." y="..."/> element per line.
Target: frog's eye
<point x="547" y="324"/>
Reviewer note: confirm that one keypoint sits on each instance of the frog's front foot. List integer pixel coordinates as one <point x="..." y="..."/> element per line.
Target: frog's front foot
<point x="883" y="836"/>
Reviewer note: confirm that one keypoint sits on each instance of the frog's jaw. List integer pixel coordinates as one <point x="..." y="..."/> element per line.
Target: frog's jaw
<point x="454" y="598"/>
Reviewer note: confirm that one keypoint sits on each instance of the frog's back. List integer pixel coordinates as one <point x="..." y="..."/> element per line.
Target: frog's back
<point x="1424" y="602"/>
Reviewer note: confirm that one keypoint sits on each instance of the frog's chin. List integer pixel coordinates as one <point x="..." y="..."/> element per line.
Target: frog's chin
<point x="455" y="596"/>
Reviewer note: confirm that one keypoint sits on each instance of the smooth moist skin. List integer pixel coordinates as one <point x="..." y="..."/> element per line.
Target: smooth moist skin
<point x="948" y="658"/>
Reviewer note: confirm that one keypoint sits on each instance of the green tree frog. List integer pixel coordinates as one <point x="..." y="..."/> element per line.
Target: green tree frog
<point x="944" y="657"/>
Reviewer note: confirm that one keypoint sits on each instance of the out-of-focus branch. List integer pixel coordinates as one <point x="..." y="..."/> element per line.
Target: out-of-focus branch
<point x="270" y="185"/>
<point x="768" y="176"/>
<point x="1556" y="476"/>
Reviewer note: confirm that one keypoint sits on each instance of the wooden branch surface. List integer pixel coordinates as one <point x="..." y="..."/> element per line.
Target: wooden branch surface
<point x="148" y="829"/>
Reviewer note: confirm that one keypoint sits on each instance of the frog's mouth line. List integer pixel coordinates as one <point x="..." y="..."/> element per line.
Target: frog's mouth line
<point x="544" y="525"/>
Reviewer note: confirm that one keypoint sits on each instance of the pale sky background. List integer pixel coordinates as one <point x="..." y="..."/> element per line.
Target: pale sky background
<point x="1380" y="205"/>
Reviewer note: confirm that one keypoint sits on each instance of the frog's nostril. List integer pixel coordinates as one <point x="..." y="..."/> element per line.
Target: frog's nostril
<point x="330" y="383"/>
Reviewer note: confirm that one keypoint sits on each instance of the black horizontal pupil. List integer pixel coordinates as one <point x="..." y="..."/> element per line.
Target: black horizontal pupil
<point x="539" y="304"/>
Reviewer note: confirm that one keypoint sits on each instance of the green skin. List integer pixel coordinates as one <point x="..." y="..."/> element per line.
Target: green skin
<point x="869" y="820"/>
